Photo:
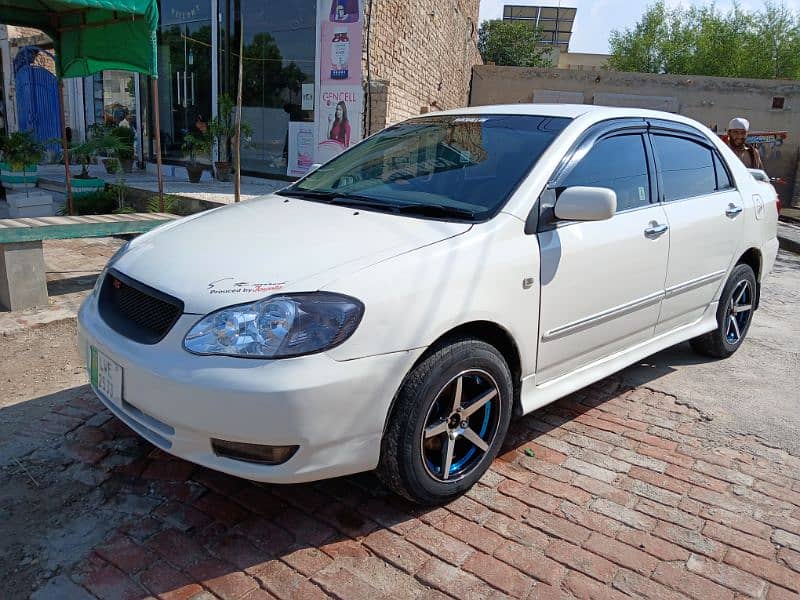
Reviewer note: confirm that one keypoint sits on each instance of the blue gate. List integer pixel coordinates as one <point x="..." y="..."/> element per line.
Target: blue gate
<point x="37" y="95"/>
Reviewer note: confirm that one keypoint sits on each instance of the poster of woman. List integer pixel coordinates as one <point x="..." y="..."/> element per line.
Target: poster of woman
<point x="340" y="125"/>
<point x="340" y="95"/>
<point x="341" y="107"/>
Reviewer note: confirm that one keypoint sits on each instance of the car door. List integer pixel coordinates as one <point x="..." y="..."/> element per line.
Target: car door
<point x="706" y="222"/>
<point x="602" y="282"/>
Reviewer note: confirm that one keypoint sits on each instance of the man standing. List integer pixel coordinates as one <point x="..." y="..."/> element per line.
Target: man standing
<point x="737" y="138"/>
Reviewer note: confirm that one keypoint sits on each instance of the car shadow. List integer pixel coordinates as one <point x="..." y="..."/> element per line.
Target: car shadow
<point x="70" y="285"/>
<point x="67" y="447"/>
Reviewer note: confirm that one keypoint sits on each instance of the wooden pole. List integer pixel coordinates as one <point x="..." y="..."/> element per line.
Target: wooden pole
<point x="157" y="133"/>
<point x="237" y="147"/>
<point x="65" y="145"/>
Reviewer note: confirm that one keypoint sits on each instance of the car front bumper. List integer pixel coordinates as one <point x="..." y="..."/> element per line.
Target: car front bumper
<point x="335" y="411"/>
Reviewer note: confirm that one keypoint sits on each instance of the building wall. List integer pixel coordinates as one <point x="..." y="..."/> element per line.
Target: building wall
<point x="581" y="60"/>
<point x="423" y="51"/>
<point x="710" y="100"/>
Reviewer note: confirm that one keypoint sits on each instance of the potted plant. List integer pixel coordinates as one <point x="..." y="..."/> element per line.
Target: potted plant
<point x="108" y="144"/>
<point x="84" y="183"/>
<point x="223" y="129"/>
<point x="21" y="155"/>
<point x="196" y="144"/>
<point x="125" y="151"/>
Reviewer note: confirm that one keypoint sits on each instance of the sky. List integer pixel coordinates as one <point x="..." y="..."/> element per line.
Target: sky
<point x="596" y="18"/>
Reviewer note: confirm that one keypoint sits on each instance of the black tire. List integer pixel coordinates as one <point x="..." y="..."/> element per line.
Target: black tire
<point x="718" y="343"/>
<point x="403" y="466"/>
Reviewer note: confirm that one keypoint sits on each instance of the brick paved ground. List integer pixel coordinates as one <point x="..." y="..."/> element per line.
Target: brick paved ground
<point x="607" y="494"/>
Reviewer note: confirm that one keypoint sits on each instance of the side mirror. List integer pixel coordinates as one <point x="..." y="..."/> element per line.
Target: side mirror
<point x="586" y="204"/>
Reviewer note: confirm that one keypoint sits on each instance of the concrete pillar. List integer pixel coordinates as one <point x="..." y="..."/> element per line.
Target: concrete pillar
<point x="23" y="279"/>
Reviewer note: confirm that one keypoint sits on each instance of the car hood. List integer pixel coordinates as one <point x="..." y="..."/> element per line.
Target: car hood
<point x="270" y="245"/>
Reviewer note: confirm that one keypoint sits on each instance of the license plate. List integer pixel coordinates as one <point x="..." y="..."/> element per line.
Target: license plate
<point x="105" y="375"/>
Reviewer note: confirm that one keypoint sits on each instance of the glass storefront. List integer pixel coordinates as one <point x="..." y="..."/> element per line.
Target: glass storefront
<point x="184" y="62"/>
<point x="279" y="53"/>
<point x="279" y="58"/>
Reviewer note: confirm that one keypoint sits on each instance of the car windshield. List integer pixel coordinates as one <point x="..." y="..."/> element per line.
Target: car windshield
<point x="448" y="167"/>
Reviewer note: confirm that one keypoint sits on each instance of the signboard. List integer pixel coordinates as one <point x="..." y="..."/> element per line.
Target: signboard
<point x="301" y="148"/>
<point x="768" y="143"/>
<point x="340" y="98"/>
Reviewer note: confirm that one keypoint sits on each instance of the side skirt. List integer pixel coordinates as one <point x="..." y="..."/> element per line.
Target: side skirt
<point x="534" y="397"/>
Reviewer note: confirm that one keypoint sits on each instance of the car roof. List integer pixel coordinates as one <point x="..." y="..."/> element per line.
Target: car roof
<point x="589" y="111"/>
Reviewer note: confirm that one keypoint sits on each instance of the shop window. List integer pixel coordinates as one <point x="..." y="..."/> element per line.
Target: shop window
<point x="114" y="98"/>
<point x="279" y="58"/>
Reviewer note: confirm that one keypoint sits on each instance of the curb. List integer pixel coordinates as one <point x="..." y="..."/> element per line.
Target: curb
<point x="789" y="245"/>
<point x="789" y="238"/>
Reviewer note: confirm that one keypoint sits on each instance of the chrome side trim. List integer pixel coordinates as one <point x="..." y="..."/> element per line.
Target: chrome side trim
<point x="694" y="283"/>
<point x="602" y="317"/>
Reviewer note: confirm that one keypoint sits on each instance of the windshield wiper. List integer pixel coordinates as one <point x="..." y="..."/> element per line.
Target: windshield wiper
<point x="436" y="210"/>
<point x="427" y="210"/>
<point x="295" y="193"/>
<point x="345" y="199"/>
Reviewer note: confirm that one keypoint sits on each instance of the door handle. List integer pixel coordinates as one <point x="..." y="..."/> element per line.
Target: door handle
<point x="655" y="230"/>
<point x="733" y="211"/>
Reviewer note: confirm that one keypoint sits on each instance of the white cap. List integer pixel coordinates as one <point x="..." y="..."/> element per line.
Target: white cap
<point x="739" y="123"/>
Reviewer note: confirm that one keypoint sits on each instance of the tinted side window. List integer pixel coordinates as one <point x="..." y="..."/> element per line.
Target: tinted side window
<point x="723" y="178"/>
<point x="618" y="163"/>
<point x="687" y="168"/>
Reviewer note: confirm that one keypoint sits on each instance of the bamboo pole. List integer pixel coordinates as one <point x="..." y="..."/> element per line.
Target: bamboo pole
<point x="65" y="145"/>
<point x="237" y="147"/>
<point x="157" y="127"/>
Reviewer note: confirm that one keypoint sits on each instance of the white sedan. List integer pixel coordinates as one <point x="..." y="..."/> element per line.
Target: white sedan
<point x="396" y="307"/>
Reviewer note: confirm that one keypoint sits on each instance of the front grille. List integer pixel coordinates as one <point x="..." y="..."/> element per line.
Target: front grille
<point x="135" y="310"/>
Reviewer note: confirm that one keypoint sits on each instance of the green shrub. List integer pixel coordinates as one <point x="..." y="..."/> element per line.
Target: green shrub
<point x="126" y="137"/>
<point x="96" y="203"/>
<point x="20" y="149"/>
<point x="172" y="204"/>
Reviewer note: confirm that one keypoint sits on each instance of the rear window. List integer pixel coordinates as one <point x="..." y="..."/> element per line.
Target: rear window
<point x="687" y="167"/>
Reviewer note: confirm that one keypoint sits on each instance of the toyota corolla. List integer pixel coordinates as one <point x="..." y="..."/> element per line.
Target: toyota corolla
<point x="395" y="308"/>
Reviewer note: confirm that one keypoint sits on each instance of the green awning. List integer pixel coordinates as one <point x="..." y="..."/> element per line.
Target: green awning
<point x="92" y="35"/>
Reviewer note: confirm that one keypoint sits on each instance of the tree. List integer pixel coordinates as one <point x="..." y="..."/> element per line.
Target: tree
<point x="513" y="44"/>
<point x="704" y="41"/>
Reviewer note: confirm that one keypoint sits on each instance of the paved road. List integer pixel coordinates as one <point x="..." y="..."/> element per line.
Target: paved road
<point x="756" y="391"/>
<point x="613" y="492"/>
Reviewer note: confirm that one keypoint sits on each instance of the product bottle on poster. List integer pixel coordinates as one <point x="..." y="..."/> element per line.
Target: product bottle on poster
<point x="340" y="55"/>
<point x="305" y="148"/>
<point x="344" y="11"/>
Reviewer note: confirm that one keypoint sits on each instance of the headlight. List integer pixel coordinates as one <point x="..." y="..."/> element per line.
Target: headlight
<point x="99" y="282"/>
<point x="277" y="327"/>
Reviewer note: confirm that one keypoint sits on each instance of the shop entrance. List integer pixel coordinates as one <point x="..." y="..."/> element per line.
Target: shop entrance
<point x="186" y="59"/>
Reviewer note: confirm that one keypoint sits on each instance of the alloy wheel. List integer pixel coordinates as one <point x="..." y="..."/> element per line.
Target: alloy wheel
<point x="461" y="425"/>
<point x="740" y="310"/>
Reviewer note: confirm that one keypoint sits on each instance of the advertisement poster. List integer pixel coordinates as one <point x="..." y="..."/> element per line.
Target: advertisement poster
<point x="301" y="148"/>
<point x="339" y="120"/>
<point x="340" y="97"/>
